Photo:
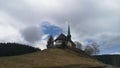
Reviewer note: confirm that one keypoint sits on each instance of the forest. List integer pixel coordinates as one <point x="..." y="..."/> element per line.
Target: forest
<point x="11" y="49"/>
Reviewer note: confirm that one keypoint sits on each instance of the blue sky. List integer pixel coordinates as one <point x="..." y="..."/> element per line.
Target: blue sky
<point x="30" y="21"/>
<point x="110" y="50"/>
<point x="50" y="29"/>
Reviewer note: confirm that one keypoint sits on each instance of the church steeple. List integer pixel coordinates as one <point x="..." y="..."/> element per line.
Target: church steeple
<point x="69" y="34"/>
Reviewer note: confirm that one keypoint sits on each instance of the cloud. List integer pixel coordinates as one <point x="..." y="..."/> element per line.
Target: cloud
<point x="31" y="34"/>
<point x="9" y="29"/>
<point x="10" y="34"/>
<point x="118" y="53"/>
<point x="42" y="43"/>
<point x="90" y="19"/>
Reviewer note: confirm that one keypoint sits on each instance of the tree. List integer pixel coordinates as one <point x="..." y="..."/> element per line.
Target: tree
<point x="92" y="49"/>
<point x="89" y="50"/>
<point x="95" y="47"/>
<point x="50" y="42"/>
<point x="78" y="45"/>
<point x="11" y="49"/>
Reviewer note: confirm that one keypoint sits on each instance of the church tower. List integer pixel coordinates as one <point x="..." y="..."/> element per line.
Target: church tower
<point x="69" y="34"/>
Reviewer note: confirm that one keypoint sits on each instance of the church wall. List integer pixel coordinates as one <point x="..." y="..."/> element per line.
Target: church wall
<point x="69" y="44"/>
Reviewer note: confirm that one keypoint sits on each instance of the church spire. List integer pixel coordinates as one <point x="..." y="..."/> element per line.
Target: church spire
<point x="68" y="29"/>
<point x="69" y="34"/>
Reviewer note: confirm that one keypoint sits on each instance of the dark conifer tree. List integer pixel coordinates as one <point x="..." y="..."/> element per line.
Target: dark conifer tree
<point x="50" y="42"/>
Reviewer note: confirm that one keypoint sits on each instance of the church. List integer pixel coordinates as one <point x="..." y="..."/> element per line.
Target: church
<point x="61" y="41"/>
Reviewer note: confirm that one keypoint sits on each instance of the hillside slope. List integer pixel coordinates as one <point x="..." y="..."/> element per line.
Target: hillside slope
<point x="50" y="58"/>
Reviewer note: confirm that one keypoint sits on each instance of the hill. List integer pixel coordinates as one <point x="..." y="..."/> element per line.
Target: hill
<point x="109" y="59"/>
<point x="11" y="49"/>
<point x="51" y="58"/>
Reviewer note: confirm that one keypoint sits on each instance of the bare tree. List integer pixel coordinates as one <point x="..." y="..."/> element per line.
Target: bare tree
<point x="89" y="50"/>
<point x="78" y="45"/>
<point x="92" y="49"/>
<point x="95" y="47"/>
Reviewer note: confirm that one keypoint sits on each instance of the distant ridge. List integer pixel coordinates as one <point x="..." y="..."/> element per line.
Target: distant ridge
<point x="109" y="59"/>
<point x="11" y="49"/>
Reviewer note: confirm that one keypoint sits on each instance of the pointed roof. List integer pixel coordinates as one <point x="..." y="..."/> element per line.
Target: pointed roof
<point x="61" y="37"/>
<point x="73" y="44"/>
<point x="69" y="35"/>
<point x="69" y="29"/>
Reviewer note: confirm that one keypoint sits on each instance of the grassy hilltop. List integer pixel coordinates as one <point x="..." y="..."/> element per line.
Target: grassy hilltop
<point x="50" y="58"/>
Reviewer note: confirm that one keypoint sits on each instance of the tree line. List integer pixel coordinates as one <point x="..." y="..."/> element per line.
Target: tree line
<point x="10" y="49"/>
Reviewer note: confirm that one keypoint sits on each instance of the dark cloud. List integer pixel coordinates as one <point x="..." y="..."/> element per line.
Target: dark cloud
<point x="31" y="34"/>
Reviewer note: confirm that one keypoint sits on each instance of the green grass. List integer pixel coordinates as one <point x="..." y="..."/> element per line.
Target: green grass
<point x="50" y="58"/>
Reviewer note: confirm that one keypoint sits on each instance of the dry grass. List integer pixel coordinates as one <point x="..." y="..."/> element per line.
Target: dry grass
<point x="50" y="58"/>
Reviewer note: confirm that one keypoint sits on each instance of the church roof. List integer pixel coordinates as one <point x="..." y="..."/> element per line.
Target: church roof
<point x="61" y="37"/>
<point x="73" y="44"/>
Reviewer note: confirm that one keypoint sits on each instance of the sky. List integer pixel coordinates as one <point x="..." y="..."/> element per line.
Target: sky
<point x="31" y="21"/>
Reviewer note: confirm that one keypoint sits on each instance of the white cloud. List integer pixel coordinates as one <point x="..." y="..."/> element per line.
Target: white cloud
<point x="8" y="20"/>
<point x="10" y="34"/>
<point x="42" y="43"/>
<point x="9" y="29"/>
<point x="46" y="5"/>
<point x="118" y="53"/>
